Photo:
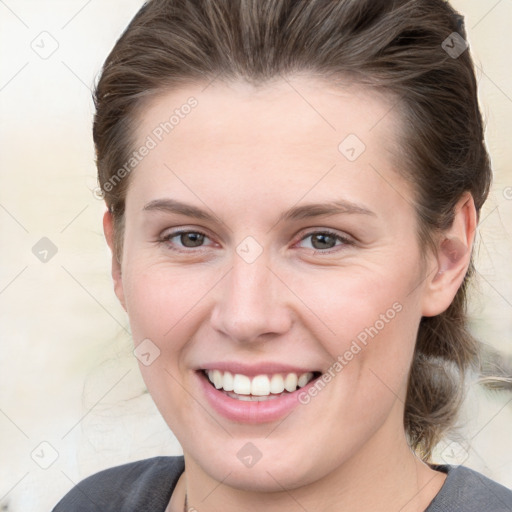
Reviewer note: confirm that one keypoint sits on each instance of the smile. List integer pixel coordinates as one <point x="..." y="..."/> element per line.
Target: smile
<point x="260" y="387"/>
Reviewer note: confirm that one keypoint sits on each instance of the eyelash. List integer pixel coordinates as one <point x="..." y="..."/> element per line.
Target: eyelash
<point x="166" y="239"/>
<point x="345" y="241"/>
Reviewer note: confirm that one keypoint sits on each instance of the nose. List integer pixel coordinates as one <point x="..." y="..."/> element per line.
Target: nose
<point x="251" y="303"/>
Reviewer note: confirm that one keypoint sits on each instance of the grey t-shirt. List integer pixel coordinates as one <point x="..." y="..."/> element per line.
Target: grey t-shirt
<point x="147" y="486"/>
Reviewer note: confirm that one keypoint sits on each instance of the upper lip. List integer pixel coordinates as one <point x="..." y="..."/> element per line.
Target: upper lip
<point x="251" y="370"/>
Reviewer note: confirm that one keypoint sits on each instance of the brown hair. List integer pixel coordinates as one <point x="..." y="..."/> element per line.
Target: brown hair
<point x="397" y="47"/>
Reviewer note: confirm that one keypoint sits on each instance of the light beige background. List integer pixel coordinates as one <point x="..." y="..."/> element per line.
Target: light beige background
<point x="68" y="376"/>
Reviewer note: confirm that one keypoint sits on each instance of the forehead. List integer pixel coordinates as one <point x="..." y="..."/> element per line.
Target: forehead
<point x="284" y="136"/>
<point x="297" y="110"/>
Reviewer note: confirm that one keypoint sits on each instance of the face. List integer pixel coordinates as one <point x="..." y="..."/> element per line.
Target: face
<point x="269" y="241"/>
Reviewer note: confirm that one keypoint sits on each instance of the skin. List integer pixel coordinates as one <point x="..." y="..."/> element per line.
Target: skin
<point x="246" y="155"/>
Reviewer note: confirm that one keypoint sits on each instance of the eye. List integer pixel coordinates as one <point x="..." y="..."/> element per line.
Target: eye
<point x="185" y="239"/>
<point x="324" y="240"/>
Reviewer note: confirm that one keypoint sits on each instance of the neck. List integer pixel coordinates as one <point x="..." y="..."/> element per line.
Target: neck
<point x="383" y="471"/>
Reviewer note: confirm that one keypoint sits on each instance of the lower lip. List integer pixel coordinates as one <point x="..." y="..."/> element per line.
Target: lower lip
<point x="250" y="412"/>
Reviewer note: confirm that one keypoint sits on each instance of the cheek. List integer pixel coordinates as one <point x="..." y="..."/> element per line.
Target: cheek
<point x="164" y="306"/>
<point x="355" y="302"/>
<point x="367" y="322"/>
<point x="159" y="299"/>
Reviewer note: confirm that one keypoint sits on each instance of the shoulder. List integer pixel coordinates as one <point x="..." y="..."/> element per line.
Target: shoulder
<point x="143" y="485"/>
<point x="466" y="490"/>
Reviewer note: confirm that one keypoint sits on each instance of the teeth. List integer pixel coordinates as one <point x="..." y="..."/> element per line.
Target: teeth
<point x="217" y="379"/>
<point x="228" y="381"/>
<point x="241" y="384"/>
<point x="259" y="386"/>
<point x="277" y="384"/>
<point x="304" y="379"/>
<point x="290" y="383"/>
<point x="252" y="398"/>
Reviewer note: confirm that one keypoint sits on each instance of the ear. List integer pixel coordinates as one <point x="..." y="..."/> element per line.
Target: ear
<point x="108" y="229"/>
<point x="452" y="258"/>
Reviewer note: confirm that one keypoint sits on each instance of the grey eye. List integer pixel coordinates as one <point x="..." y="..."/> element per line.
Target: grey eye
<point x="191" y="239"/>
<point x="323" y="241"/>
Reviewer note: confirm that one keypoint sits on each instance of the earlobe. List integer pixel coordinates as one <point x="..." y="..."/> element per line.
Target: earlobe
<point x="108" y="229"/>
<point x="452" y="259"/>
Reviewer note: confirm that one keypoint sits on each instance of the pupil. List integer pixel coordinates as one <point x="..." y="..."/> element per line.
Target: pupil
<point x="192" y="239"/>
<point x="323" y="241"/>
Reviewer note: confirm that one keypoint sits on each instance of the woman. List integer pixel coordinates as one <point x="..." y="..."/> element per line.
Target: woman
<point x="293" y="188"/>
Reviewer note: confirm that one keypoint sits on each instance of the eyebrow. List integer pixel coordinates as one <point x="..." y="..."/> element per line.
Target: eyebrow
<point x="296" y="213"/>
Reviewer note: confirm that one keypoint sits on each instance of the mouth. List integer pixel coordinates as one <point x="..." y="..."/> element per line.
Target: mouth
<point x="259" y="388"/>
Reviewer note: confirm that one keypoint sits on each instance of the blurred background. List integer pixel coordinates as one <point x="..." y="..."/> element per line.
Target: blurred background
<point x="72" y="401"/>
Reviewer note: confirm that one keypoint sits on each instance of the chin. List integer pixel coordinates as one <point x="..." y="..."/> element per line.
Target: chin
<point x="251" y="469"/>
